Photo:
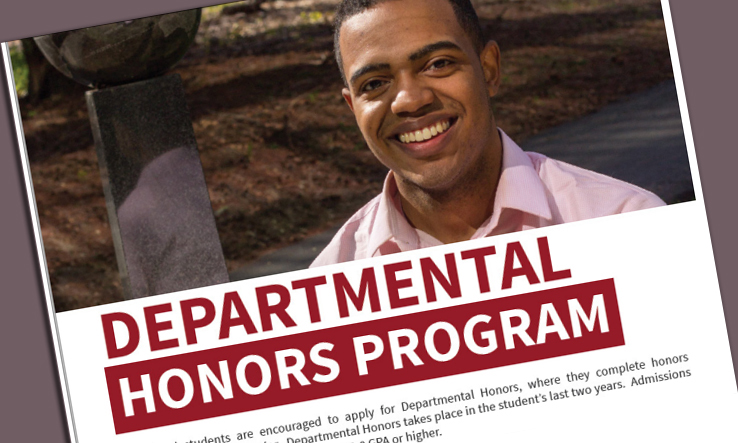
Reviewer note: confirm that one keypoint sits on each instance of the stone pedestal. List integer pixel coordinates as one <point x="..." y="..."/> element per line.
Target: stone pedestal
<point x="160" y="214"/>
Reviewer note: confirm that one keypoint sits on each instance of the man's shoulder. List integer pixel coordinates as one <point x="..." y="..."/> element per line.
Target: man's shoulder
<point x="350" y="241"/>
<point x="581" y="193"/>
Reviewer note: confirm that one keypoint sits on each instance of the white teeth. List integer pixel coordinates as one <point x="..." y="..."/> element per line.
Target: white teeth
<point x="425" y="133"/>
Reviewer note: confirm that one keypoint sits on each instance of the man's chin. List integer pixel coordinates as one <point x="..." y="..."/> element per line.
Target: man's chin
<point x="434" y="181"/>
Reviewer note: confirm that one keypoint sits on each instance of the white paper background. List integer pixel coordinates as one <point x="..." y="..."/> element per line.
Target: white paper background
<point x="670" y="305"/>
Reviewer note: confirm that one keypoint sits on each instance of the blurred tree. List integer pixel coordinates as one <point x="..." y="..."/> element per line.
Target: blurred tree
<point x="20" y="69"/>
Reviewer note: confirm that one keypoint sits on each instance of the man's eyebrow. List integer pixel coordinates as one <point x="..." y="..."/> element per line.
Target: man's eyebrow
<point x="368" y="68"/>
<point x="425" y="50"/>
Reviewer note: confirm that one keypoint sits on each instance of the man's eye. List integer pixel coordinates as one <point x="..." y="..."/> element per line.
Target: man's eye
<point x="371" y="85"/>
<point x="440" y="64"/>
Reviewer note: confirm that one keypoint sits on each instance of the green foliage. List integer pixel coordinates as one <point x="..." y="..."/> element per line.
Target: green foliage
<point x="20" y="68"/>
<point x="312" y="17"/>
<point x="211" y="12"/>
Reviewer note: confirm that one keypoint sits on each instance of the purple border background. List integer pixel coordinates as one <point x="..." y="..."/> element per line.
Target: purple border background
<point x="30" y="399"/>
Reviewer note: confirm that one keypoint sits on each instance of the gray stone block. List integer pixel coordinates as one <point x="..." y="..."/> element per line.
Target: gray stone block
<point x="160" y="214"/>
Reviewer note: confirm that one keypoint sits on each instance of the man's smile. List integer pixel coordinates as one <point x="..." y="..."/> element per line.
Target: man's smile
<point x="425" y="133"/>
<point x="426" y="137"/>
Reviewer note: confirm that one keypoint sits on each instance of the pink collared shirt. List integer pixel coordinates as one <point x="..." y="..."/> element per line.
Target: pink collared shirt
<point x="533" y="191"/>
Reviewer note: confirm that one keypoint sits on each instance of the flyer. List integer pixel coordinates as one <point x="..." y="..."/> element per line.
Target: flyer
<point x="615" y="319"/>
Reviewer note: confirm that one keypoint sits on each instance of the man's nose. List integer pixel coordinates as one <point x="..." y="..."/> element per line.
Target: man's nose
<point x="412" y="97"/>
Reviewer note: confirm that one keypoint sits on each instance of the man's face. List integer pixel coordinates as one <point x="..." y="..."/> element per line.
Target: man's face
<point x="420" y="90"/>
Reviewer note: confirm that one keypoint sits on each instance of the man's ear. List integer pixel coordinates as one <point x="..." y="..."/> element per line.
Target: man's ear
<point x="490" y="59"/>
<point x="347" y="96"/>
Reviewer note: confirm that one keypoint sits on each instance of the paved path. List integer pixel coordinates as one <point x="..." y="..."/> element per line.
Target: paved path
<point x="639" y="140"/>
<point x="290" y="258"/>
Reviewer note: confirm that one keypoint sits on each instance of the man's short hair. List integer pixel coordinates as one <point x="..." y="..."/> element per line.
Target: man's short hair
<point x="463" y="9"/>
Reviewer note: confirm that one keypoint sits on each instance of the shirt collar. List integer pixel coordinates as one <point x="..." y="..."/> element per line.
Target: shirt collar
<point x="391" y="223"/>
<point x="519" y="188"/>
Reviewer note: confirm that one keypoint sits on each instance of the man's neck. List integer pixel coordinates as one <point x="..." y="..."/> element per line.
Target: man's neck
<point x="455" y="214"/>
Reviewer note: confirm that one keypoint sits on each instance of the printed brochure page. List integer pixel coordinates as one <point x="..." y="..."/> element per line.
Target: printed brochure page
<point x="374" y="222"/>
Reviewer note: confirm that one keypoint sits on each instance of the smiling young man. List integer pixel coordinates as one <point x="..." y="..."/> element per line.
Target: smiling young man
<point x="419" y="79"/>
